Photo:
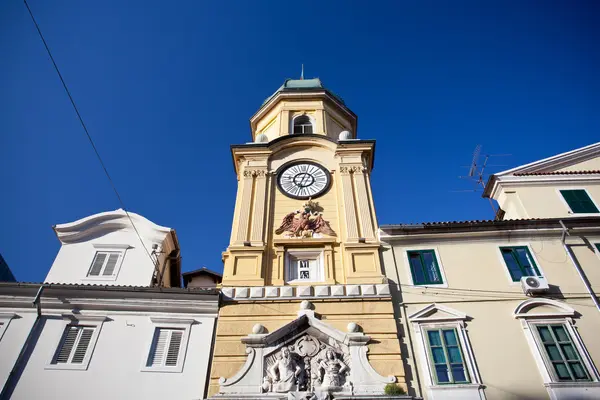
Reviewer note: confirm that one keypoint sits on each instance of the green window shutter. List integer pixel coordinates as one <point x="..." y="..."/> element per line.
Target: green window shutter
<point x="424" y="267"/>
<point x="562" y="353"/>
<point x="579" y="201"/>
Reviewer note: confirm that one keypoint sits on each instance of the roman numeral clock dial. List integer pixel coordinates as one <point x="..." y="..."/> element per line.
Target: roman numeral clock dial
<point x="303" y="179"/>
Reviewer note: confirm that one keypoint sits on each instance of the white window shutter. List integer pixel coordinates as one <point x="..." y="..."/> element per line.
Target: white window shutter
<point x="159" y="345"/>
<point x="82" y="345"/>
<point x="67" y="344"/>
<point x="97" y="264"/>
<point x="166" y="345"/>
<point x="111" y="264"/>
<point x="174" y="346"/>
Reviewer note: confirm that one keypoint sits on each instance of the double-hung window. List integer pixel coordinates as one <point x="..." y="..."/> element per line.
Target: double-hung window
<point x="446" y="356"/>
<point x="579" y="201"/>
<point x="519" y="262"/>
<point x="561" y="353"/>
<point x="424" y="267"/>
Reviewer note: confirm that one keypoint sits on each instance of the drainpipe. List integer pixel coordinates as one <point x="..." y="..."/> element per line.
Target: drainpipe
<point x="13" y="377"/>
<point x="571" y="255"/>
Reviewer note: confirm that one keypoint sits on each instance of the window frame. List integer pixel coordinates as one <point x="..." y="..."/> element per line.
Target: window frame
<point x="570" y="212"/>
<point x="439" y="264"/>
<point x="505" y="267"/>
<point x="432" y="362"/>
<point x="107" y="248"/>
<point x="437" y="316"/>
<point x="555" y="341"/>
<point x="78" y="320"/>
<point x="543" y="360"/>
<point x="559" y="313"/>
<point x="535" y="265"/>
<point x="310" y="118"/>
<point x="5" y="319"/>
<point x="168" y="323"/>
<point x="293" y="277"/>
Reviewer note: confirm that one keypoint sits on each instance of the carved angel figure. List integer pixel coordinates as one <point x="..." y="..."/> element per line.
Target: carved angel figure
<point x="304" y="224"/>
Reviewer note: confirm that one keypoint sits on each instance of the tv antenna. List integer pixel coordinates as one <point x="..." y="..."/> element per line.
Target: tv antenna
<point x="477" y="175"/>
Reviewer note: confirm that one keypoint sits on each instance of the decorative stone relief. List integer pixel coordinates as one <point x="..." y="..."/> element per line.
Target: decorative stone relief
<point x="306" y="359"/>
<point x="305" y="223"/>
<point x="255" y="172"/>
<point x="352" y="169"/>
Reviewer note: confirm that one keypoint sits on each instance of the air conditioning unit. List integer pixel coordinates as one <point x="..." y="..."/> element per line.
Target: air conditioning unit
<point x="534" y="284"/>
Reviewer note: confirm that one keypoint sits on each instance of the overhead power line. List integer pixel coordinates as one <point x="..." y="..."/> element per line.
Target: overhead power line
<point x="87" y="133"/>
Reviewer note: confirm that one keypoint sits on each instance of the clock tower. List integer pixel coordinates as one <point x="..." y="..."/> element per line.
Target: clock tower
<point x="304" y="247"/>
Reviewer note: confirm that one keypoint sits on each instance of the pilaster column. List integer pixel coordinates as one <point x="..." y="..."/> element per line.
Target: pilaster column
<point x="258" y="217"/>
<point x="245" y="207"/>
<point x="364" y="205"/>
<point x="349" y="206"/>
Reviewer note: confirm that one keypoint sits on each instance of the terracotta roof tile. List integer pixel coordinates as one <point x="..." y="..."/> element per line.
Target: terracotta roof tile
<point x="588" y="172"/>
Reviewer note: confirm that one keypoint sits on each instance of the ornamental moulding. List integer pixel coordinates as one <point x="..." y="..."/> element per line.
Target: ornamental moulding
<point x="305" y="359"/>
<point x="255" y="172"/>
<point x="352" y="169"/>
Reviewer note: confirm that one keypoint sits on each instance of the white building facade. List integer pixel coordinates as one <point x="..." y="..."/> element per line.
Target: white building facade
<point x="111" y="320"/>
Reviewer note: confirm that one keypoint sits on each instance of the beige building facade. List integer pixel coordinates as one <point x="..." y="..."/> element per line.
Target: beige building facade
<point x="304" y="299"/>
<point x="506" y="309"/>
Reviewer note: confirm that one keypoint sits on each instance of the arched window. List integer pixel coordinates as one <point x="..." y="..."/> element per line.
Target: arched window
<point x="303" y="124"/>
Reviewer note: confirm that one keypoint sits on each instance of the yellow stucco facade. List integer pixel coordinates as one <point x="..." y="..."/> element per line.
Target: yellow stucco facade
<point x="257" y="284"/>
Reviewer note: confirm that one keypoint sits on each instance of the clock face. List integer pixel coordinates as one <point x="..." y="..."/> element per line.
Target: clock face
<point x="303" y="179"/>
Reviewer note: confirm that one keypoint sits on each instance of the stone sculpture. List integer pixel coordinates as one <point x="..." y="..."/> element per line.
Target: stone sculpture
<point x="284" y="373"/>
<point x="332" y="370"/>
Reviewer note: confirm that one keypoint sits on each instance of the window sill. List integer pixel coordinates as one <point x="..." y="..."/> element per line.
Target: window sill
<point x="298" y="282"/>
<point x="451" y="386"/>
<point x="178" y="369"/>
<point x="71" y="367"/>
<point x="100" y="278"/>
<point x="579" y="384"/>
<point x="437" y="285"/>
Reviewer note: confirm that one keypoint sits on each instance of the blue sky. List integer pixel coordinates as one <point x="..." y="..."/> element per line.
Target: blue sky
<point x="166" y="86"/>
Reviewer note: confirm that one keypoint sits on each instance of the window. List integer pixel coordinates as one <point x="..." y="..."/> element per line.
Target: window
<point x="519" y="262"/>
<point x="74" y="345"/>
<point x="104" y="263"/>
<point x="303" y="124"/>
<point x="168" y="345"/>
<point x="561" y="353"/>
<point x="424" y="267"/>
<point x="304" y="266"/>
<point x="579" y="201"/>
<point x="165" y="349"/>
<point x="446" y="356"/>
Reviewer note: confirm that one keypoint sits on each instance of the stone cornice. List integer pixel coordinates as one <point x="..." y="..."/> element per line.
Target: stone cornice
<point x="304" y="292"/>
